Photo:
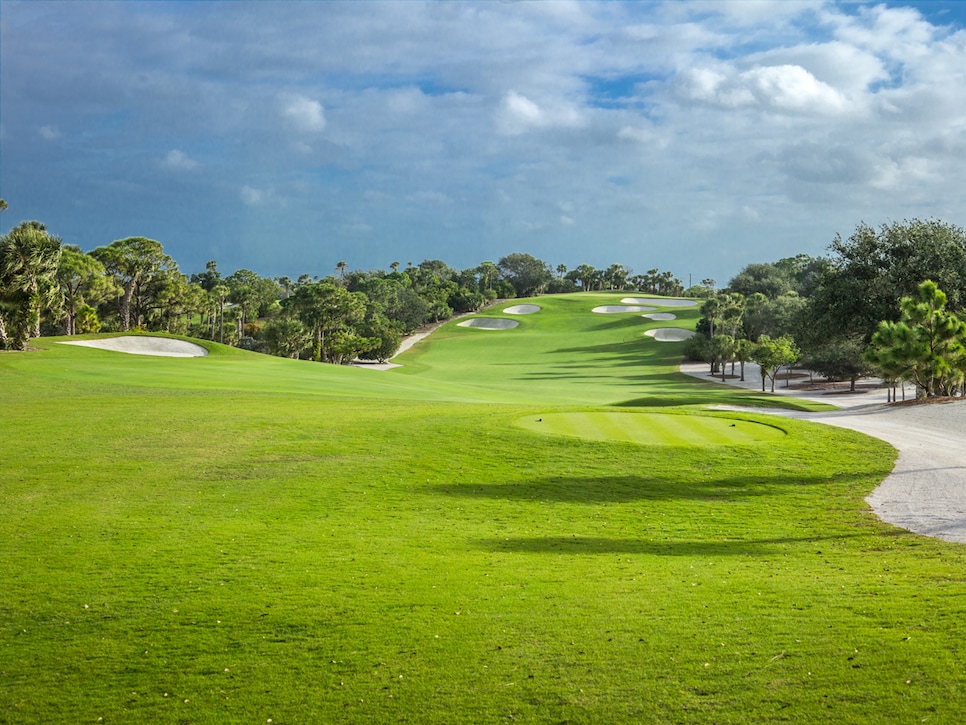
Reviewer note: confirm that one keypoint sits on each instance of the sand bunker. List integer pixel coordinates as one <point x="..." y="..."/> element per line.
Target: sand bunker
<point x="661" y="316"/>
<point x="612" y="309"/>
<point x="658" y="302"/>
<point x="522" y="309"/>
<point x="489" y="323"/>
<point x="137" y="345"/>
<point x="670" y="334"/>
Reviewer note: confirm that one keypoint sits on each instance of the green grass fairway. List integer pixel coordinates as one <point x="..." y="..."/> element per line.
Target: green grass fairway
<point x="245" y="539"/>
<point x="654" y="429"/>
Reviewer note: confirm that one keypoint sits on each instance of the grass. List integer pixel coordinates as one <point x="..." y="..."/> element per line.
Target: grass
<point x="242" y="539"/>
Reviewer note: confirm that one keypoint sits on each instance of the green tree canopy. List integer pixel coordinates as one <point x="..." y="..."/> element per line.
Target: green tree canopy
<point x="82" y="282"/>
<point x="133" y="261"/>
<point x="528" y="275"/>
<point x="771" y="354"/>
<point x="872" y="270"/>
<point x="927" y="346"/>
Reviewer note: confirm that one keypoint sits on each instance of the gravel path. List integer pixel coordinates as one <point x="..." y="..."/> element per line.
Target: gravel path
<point x="926" y="491"/>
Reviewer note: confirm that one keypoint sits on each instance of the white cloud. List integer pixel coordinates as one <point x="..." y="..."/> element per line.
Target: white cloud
<point x="251" y="196"/>
<point x="306" y="115"/>
<point x="519" y="114"/>
<point x="783" y="88"/>
<point x="894" y="32"/>
<point x="792" y="88"/>
<point x="50" y="133"/>
<point x="177" y="160"/>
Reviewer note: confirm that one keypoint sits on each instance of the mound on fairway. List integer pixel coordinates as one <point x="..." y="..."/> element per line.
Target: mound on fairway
<point x="137" y="345"/>
<point x="489" y="323"/>
<point x="522" y="309"/>
<point x="663" y="316"/>
<point x="653" y="429"/>
<point x="658" y="301"/>
<point x="615" y="309"/>
<point x="670" y="334"/>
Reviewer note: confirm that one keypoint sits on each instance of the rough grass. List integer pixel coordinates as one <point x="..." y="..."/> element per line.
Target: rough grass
<point x="239" y="539"/>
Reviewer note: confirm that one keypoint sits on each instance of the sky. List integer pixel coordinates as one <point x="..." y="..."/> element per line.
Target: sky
<point x="286" y="137"/>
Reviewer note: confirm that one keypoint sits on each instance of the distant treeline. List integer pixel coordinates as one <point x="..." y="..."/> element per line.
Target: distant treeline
<point x="832" y="314"/>
<point x="48" y="287"/>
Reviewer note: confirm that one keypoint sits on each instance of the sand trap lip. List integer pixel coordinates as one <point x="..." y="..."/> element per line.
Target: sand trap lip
<point x="138" y="345"/>
<point x="615" y="309"/>
<point x="658" y="301"/>
<point x="522" y="309"/>
<point x="663" y="316"/>
<point x="670" y="334"/>
<point x="489" y="323"/>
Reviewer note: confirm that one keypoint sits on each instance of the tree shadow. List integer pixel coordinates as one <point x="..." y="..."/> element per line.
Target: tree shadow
<point x="595" y="490"/>
<point x="575" y="545"/>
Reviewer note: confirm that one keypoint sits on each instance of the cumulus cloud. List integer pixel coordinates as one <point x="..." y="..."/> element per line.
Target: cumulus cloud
<point x="177" y="160"/>
<point x="306" y="114"/>
<point x="792" y="88"/>
<point x="783" y="88"/>
<point x="519" y="114"/>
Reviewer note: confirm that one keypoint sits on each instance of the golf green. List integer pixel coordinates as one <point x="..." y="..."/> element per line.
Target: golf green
<point x="665" y="429"/>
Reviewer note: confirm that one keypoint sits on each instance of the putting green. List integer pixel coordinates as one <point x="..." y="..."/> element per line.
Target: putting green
<point x="654" y="429"/>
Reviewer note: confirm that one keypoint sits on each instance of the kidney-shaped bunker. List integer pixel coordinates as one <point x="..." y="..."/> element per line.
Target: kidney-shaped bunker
<point x="489" y="323"/>
<point x="522" y="309"/>
<point x="670" y="334"/>
<point x="142" y="345"/>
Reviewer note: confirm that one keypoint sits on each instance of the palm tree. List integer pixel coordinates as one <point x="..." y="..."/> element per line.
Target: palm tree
<point x="286" y="284"/>
<point x="29" y="258"/>
<point x="221" y="291"/>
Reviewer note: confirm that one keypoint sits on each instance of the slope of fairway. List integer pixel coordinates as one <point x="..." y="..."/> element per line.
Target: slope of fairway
<point x="567" y="355"/>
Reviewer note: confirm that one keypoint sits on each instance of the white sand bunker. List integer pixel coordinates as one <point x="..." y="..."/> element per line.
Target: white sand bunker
<point x="670" y="334"/>
<point x="661" y="316"/>
<point x="613" y="309"/>
<point x="658" y="301"/>
<point x="137" y="345"/>
<point x="522" y="309"/>
<point x="489" y="323"/>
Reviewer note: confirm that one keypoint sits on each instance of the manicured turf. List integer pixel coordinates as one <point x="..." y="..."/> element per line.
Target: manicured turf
<point x="654" y="429"/>
<point x="239" y="538"/>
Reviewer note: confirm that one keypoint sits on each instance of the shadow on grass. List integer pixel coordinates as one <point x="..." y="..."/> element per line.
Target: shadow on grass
<point x="639" y="351"/>
<point x="575" y="544"/>
<point x="625" y="489"/>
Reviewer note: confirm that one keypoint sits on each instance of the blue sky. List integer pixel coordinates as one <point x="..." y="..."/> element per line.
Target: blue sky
<point x="281" y="137"/>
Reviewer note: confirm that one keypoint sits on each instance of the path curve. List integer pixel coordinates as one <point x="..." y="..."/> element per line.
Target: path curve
<point x="926" y="491"/>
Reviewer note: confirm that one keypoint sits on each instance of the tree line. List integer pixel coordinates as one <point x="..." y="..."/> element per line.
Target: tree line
<point x="49" y="287"/>
<point x="885" y="301"/>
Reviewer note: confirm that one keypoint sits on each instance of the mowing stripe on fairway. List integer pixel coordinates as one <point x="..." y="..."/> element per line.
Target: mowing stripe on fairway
<point x="653" y="428"/>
